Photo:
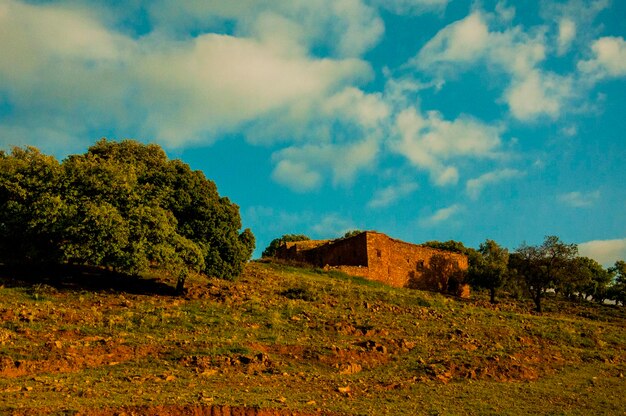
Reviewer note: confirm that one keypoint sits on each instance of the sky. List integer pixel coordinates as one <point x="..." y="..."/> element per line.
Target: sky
<point x="423" y="119"/>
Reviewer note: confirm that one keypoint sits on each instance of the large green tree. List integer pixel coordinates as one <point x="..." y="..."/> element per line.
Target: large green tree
<point x="542" y="267"/>
<point x="123" y="205"/>
<point x="31" y="209"/>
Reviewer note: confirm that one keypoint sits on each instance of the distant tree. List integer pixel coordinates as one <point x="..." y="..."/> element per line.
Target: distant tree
<point x="489" y="268"/>
<point x="451" y="245"/>
<point x="122" y="205"/>
<point x="270" y="250"/>
<point x="617" y="290"/>
<point x="586" y="278"/>
<point x="541" y="267"/>
<point x="352" y="233"/>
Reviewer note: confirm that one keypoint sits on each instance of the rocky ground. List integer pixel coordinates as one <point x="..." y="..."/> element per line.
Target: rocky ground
<point x="284" y="341"/>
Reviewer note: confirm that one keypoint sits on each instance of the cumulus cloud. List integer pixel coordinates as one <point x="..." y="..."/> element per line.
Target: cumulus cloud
<point x="299" y="167"/>
<point x="566" y="34"/>
<point x="605" y="252"/>
<point x="389" y="195"/>
<point x="538" y="93"/>
<point x="430" y="142"/>
<point x="441" y="215"/>
<point x="332" y="226"/>
<point x="412" y="6"/>
<point x="609" y="58"/>
<point x="61" y="64"/>
<point x="532" y="92"/>
<point x="474" y="187"/>
<point x="347" y="28"/>
<point x="579" y="199"/>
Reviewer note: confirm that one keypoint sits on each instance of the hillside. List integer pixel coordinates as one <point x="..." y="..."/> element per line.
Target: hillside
<point x="294" y="341"/>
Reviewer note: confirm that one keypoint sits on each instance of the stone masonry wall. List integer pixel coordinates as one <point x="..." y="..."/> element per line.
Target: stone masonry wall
<point x="395" y="262"/>
<point x="350" y="251"/>
<point x="371" y="255"/>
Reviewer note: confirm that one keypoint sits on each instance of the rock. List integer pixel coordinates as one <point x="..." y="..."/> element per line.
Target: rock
<point x="350" y="368"/>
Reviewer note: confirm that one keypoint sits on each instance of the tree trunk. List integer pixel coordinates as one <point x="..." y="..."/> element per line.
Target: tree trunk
<point x="492" y="294"/>
<point x="537" y="299"/>
<point x="180" y="284"/>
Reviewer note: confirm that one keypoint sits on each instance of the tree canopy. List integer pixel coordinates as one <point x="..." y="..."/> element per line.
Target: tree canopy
<point x="489" y="267"/>
<point x="122" y="205"/>
<point x="544" y="266"/>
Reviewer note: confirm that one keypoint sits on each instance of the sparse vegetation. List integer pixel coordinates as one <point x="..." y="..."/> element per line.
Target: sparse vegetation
<point x="299" y="340"/>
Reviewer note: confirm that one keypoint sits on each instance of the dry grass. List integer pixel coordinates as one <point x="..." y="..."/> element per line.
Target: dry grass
<point x="303" y="341"/>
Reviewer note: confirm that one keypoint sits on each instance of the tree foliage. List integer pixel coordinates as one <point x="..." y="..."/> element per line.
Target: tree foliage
<point x="122" y="205"/>
<point x="617" y="290"/>
<point x="352" y="233"/>
<point x="489" y="267"/>
<point x="270" y="250"/>
<point x="544" y="266"/>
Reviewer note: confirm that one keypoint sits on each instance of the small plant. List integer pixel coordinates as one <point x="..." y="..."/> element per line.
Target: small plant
<point x="299" y="293"/>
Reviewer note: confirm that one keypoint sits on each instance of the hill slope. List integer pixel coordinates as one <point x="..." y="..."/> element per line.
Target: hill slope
<point x="292" y="340"/>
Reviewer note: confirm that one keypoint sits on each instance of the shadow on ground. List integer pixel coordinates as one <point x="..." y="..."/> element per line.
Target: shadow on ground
<point x="76" y="278"/>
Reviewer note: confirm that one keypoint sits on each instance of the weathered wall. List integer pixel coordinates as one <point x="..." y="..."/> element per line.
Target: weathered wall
<point x="374" y="256"/>
<point x="395" y="262"/>
<point x="350" y="251"/>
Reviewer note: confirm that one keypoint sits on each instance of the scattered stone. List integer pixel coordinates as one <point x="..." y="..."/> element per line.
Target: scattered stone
<point x="350" y="368"/>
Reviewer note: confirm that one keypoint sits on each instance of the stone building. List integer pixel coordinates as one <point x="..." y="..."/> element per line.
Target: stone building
<point x="378" y="257"/>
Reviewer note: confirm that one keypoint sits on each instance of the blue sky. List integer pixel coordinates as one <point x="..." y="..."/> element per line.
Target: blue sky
<point x="423" y="119"/>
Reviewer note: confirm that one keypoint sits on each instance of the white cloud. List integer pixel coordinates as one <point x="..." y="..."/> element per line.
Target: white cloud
<point x="220" y="82"/>
<point x="538" y="94"/>
<point x="347" y="28"/>
<point x="296" y="175"/>
<point x="474" y="187"/>
<point x="441" y="215"/>
<point x="605" y="252"/>
<point x="391" y="194"/>
<point x="461" y="41"/>
<point x="61" y="64"/>
<point x="429" y="142"/>
<point x="531" y="93"/>
<point x="412" y="6"/>
<point x="579" y="199"/>
<point x="567" y="33"/>
<point x="609" y="58"/>
<point x="299" y="167"/>
<point x="332" y="226"/>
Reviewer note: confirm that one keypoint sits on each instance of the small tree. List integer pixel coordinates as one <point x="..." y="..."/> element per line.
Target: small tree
<point x="489" y="268"/>
<point x="588" y="278"/>
<point x="542" y="266"/>
<point x="270" y="250"/>
<point x="617" y="291"/>
<point x="352" y="233"/>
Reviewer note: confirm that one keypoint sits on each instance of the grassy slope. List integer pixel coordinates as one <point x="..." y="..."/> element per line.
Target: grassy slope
<point x="288" y="338"/>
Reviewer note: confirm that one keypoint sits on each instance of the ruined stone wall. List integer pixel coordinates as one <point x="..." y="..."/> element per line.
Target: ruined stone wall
<point x="374" y="256"/>
<point x="295" y="250"/>
<point x="350" y="251"/>
<point x="395" y="262"/>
